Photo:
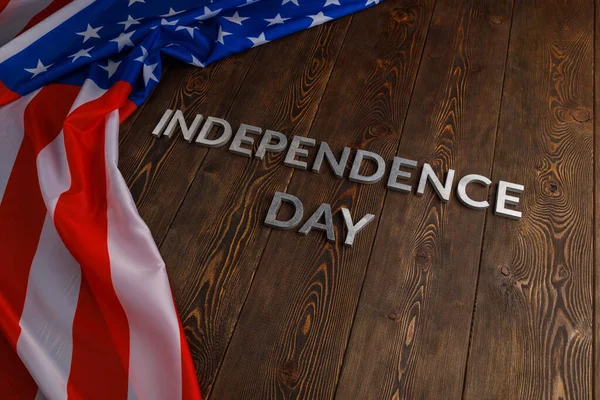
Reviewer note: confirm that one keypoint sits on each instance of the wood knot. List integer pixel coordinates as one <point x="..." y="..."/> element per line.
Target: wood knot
<point x="507" y="281"/>
<point x="422" y="257"/>
<point x="552" y="188"/>
<point x="562" y="271"/>
<point x="400" y="16"/>
<point x="581" y="115"/>
<point x="561" y="274"/>
<point x="394" y="316"/>
<point x="504" y="270"/>
<point x="585" y="332"/>
<point x="381" y="130"/>
<point x="496" y="19"/>
<point x="289" y="373"/>
<point x="383" y="64"/>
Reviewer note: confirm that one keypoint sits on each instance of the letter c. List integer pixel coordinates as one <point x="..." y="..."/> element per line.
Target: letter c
<point x="462" y="191"/>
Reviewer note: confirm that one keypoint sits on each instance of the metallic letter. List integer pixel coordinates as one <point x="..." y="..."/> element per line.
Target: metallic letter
<point x="188" y="134"/>
<point x="376" y="177"/>
<point x="462" y="191"/>
<point x="395" y="173"/>
<point x="290" y="157"/>
<point x="266" y="145"/>
<point x="161" y="124"/>
<point x="502" y="199"/>
<point x="208" y="125"/>
<point x="442" y="191"/>
<point x="240" y="137"/>
<point x="337" y="167"/>
<point x="271" y="219"/>
<point x="323" y="210"/>
<point x="354" y="229"/>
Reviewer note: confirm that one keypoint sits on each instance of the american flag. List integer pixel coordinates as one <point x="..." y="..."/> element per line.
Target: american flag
<point x="85" y="305"/>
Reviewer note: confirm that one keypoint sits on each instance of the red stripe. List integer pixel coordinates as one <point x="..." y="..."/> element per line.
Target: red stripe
<point x="46" y="12"/>
<point x="126" y="111"/>
<point x="3" y="4"/>
<point x="190" y="389"/>
<point x="22" y="213"/>
<point x="15" y="381"/>
<point x="22" y="210"/>
<point x="100" y="359"/>
<point x="97" y="370"/>
<point x="7" y="95"/>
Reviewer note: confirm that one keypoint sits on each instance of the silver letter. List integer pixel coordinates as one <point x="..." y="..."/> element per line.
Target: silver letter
<point x="271" y="219"/>
<point x="240" y="137"/>
<point x="188" y="134"/>
<point x="395" y="173"/>
<point x="323" y="210"/>
<point x="502" y="199"/>
<point x="462" y="191"/>
<point x="208" y="125"/>
<point x="375" y="177"/>
<point x="442" y="191"/>
<point x="354" y="229"/>
<point x="337" y="167"/>
<point x="161" y="124"/>
<point x="265" y="144"/>
<point x="290" y="157"/>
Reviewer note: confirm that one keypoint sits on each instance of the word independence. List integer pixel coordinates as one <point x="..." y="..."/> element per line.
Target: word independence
<point x="298" y="149"/>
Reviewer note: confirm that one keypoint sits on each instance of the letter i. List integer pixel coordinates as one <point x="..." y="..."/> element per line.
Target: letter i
<point x="160" y="127"/>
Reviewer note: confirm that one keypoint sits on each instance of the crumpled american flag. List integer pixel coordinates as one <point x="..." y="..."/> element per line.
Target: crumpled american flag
<point x="85" y="305"/>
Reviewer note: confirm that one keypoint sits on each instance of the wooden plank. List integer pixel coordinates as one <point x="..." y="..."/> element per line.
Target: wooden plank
<point x="533" y="325"/>
<point x="159" y="172"/>
<point x="411" y="332"/>
<point x="595" y="347"/>
<point x="291" y="336"/>
<point x="215" y="243"/>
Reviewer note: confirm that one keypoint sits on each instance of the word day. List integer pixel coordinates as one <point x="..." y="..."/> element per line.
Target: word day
<point x="217" y="132"/>
<point x="313" y="222"/>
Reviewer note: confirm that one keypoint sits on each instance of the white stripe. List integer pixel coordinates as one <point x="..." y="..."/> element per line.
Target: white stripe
<point x="53" y="172"/>
<point x="30" y="36"/>
<point x="16" y="15"/>
<point x="45" y="344"/>
<point x="11" y="136"/>
<point x="140" y="281"/>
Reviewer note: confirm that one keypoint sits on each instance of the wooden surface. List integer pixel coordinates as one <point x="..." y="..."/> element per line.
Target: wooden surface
<point x="435" y="300"/>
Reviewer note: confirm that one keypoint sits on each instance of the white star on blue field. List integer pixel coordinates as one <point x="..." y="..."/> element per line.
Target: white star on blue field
<point x="126" y="40"/>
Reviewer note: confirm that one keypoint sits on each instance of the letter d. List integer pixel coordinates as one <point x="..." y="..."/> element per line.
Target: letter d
<point x="272" y="220"/>
<point x="208" y="125"/>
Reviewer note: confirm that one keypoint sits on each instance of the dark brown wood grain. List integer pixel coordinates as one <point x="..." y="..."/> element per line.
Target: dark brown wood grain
<point x="596" y="346"/>
<point x="214" y="245"/>
<point x="434" y="301"/>
<point x="411" y="331"/>
<point x="159" y="172"/>
<point x="294" y="328"/>
<point x="532" y="334"/>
